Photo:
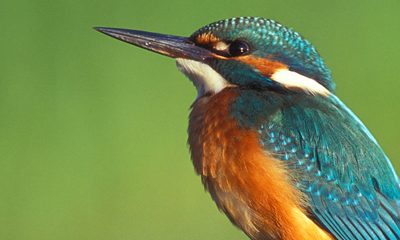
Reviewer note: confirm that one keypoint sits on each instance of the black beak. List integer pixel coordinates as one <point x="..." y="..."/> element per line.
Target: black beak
<point x="171" y="46"/>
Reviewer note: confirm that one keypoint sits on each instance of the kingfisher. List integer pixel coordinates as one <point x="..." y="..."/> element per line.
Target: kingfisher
<point x="280" y="154"/>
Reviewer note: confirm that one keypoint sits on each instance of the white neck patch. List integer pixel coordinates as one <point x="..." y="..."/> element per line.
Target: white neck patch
<point x="204" y="78"/>
<point x="290" y="79"/>
<point x="207" y="80"/>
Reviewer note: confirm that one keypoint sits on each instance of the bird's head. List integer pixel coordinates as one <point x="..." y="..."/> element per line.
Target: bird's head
<point x="245" y="52"/>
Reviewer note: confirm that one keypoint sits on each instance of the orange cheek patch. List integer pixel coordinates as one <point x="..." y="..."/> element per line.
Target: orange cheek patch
<point x="206" y="38"/>
<point x="265" y="66"/>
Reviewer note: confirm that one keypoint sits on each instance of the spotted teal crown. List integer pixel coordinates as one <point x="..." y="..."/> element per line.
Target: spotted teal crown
<point x="269" y="39"/>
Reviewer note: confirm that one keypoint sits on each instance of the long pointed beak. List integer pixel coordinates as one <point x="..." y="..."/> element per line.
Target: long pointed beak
<point x="171" y="46"/>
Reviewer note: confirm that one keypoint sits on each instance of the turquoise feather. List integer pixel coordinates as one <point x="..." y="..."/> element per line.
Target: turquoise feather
<point x="333" y="159"/>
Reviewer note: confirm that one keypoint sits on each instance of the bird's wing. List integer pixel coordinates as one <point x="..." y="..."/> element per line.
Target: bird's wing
<point x="352" y="188"/>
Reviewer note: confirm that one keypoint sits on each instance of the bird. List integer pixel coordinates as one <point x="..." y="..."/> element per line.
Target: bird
<point x="280" y="154"/>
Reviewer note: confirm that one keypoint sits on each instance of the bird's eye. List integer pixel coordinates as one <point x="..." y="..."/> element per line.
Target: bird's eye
<point x="230" y="48"/>
<point x="238" y="48"/>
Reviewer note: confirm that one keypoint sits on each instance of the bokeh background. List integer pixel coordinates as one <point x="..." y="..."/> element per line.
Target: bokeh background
<point x="93" y="131"/>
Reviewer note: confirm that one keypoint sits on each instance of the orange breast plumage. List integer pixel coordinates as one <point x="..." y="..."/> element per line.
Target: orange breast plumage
<point x="246" y="182"/>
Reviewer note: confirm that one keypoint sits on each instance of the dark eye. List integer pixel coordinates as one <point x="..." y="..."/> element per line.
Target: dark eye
<point x="238" y="48"/>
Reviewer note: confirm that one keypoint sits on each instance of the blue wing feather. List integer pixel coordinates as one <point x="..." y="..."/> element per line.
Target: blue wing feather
<point x="352" y="188"/>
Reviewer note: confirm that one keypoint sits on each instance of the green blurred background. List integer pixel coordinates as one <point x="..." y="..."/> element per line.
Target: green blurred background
<point x="93" y="131"/>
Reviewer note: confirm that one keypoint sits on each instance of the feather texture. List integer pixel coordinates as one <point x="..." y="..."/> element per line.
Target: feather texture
<point x="251" y="186"/>
<point x="352" y="189"/>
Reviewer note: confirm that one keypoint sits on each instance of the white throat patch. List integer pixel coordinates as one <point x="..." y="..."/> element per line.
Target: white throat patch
<point x="204" y="78"/>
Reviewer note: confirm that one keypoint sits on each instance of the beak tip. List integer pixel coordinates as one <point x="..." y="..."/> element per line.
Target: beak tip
<point x="112" y="32"/>
<point x="100" y="29"/>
